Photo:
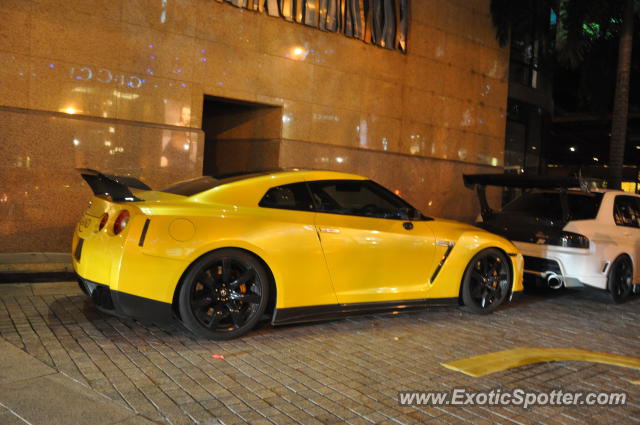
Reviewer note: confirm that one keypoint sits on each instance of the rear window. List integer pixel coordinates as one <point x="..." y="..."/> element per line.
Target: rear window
<point x="582" y="206"/>
<point x="200" y="184"/>
<point x="193" y="186"/>
<point x="293" y="196"/>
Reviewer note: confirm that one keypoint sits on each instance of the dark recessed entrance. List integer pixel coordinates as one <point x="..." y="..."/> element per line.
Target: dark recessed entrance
<point x="240" y="136"/>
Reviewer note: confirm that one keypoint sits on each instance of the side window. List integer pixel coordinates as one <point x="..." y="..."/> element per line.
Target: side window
<point x="626" y="211"/>
<point x="361" y="198"/>
<point x="289" y="197"/>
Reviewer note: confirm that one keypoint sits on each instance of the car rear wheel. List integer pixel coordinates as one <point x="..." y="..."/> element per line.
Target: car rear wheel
<point x="486" y="282"/>
<point x="224" y="294"/>
<point x="620" y="279"/>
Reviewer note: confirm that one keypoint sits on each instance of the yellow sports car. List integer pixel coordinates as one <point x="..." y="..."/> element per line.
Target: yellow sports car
<point x="222" y="253"/>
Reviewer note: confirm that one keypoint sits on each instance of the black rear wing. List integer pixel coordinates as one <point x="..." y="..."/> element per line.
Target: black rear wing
<point x="523" y="181"/>
<point x="479" y="182"/>
<point x="117" y="187"/>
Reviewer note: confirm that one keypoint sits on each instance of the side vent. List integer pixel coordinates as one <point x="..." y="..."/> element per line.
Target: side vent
<point x="449" y="245"/>
<point x="143" y="235"/>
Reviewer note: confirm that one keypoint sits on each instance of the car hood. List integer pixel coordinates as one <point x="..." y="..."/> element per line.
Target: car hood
<point x="452" y="228"/>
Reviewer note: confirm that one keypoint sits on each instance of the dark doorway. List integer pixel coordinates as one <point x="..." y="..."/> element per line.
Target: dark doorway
<point x="240" y="136"/>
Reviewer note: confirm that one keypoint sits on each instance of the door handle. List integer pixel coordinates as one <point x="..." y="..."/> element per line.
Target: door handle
<point x="407" y="225"/>
<point x="329" y="230"/>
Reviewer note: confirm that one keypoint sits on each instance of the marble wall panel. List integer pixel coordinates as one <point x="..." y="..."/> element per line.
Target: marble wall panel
<point x="427" y="41"/>
<point x="222" y="23"/>
<point x="337" y="127"/>
<point x="85" y="39"/>
<point x="103" y="9"/>
<point x="284" y="78"/>
<point x="296" y="120"/>
<point x="42" y="195"/>
<point x="15" y="30"/>
<point x="338" y="89"/>
<point x="222" y="67"/>
<point x="177" y="16"/>
<point x="382" y="97"/>
<point x="379" y="133"/>
<point x="73" y="88"/>
<point x="156" y="100"/>
<point x="289" y="40"/>
<point x="152" y="52"/>
<point x="14" y="79"/>
<point x="344" y="54"/>
<point x="417" y="138"/>
<point x="422" y="106"/>
<point x="426" y="74"/>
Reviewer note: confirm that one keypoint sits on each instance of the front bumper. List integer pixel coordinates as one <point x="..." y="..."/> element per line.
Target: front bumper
<point x="122" y="304"/>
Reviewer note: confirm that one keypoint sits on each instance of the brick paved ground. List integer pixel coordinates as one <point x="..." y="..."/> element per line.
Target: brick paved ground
<point x="346" y="371"/>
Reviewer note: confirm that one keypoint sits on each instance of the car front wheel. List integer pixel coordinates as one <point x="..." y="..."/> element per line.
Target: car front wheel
<point x="224" y="294"/>
<point x="620" y="279"/>
<point x="486" y="282"/>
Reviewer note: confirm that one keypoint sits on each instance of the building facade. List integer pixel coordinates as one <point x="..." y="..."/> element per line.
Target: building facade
<point x="167" y="90"/>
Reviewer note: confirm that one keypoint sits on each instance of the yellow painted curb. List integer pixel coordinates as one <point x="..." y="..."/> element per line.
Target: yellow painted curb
<point x="635" y="382"/>
<point x="499" y="361"/>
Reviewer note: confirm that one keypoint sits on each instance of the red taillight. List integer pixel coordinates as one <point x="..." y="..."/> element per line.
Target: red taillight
<point x="121" y="221"/>
<point x="103" y="221"/>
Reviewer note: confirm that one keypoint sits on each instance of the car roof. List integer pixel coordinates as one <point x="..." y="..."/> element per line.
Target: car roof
<point x="294" y="174"/>
<point x="248" y="189"/>
<point x="302" y="173"/>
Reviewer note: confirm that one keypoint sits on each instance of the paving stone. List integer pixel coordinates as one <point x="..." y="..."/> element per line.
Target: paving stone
<point x="137" y="420"/>
<point x="347" y="371"/>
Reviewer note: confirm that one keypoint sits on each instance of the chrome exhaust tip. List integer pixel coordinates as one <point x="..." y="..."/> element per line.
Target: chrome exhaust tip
<point x="554" y="280"/>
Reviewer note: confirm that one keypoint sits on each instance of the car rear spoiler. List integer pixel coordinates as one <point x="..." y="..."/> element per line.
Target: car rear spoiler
<point x="117" y="187"/>
<point x="479" y="182"/>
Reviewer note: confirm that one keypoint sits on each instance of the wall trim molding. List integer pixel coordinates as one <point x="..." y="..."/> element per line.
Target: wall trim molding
<point x="82" y="117"/>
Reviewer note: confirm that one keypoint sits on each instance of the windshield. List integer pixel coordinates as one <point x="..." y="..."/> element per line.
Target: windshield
<point x="582" y="206"/>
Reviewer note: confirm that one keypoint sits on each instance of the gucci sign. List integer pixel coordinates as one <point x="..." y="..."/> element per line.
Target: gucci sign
<point x="105" y="76"/>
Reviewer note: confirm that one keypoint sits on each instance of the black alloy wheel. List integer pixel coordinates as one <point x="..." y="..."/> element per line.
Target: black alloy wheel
<point x="620" y="279"/>
<point x="487" y="281"/>
<point x="224" y="294"/>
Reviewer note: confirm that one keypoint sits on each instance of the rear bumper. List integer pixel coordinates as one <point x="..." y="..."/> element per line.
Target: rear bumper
<point x="577" y="266"/>
<point x="126" y="305"/>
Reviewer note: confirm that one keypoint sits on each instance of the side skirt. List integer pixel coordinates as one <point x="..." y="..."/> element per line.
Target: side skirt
<point x="286" y="316"/>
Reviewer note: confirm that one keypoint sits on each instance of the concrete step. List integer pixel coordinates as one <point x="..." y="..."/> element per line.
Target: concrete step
<point x="35" y="266"/>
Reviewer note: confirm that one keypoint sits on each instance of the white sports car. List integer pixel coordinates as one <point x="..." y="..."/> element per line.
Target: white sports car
<point x="570" y="235"/>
